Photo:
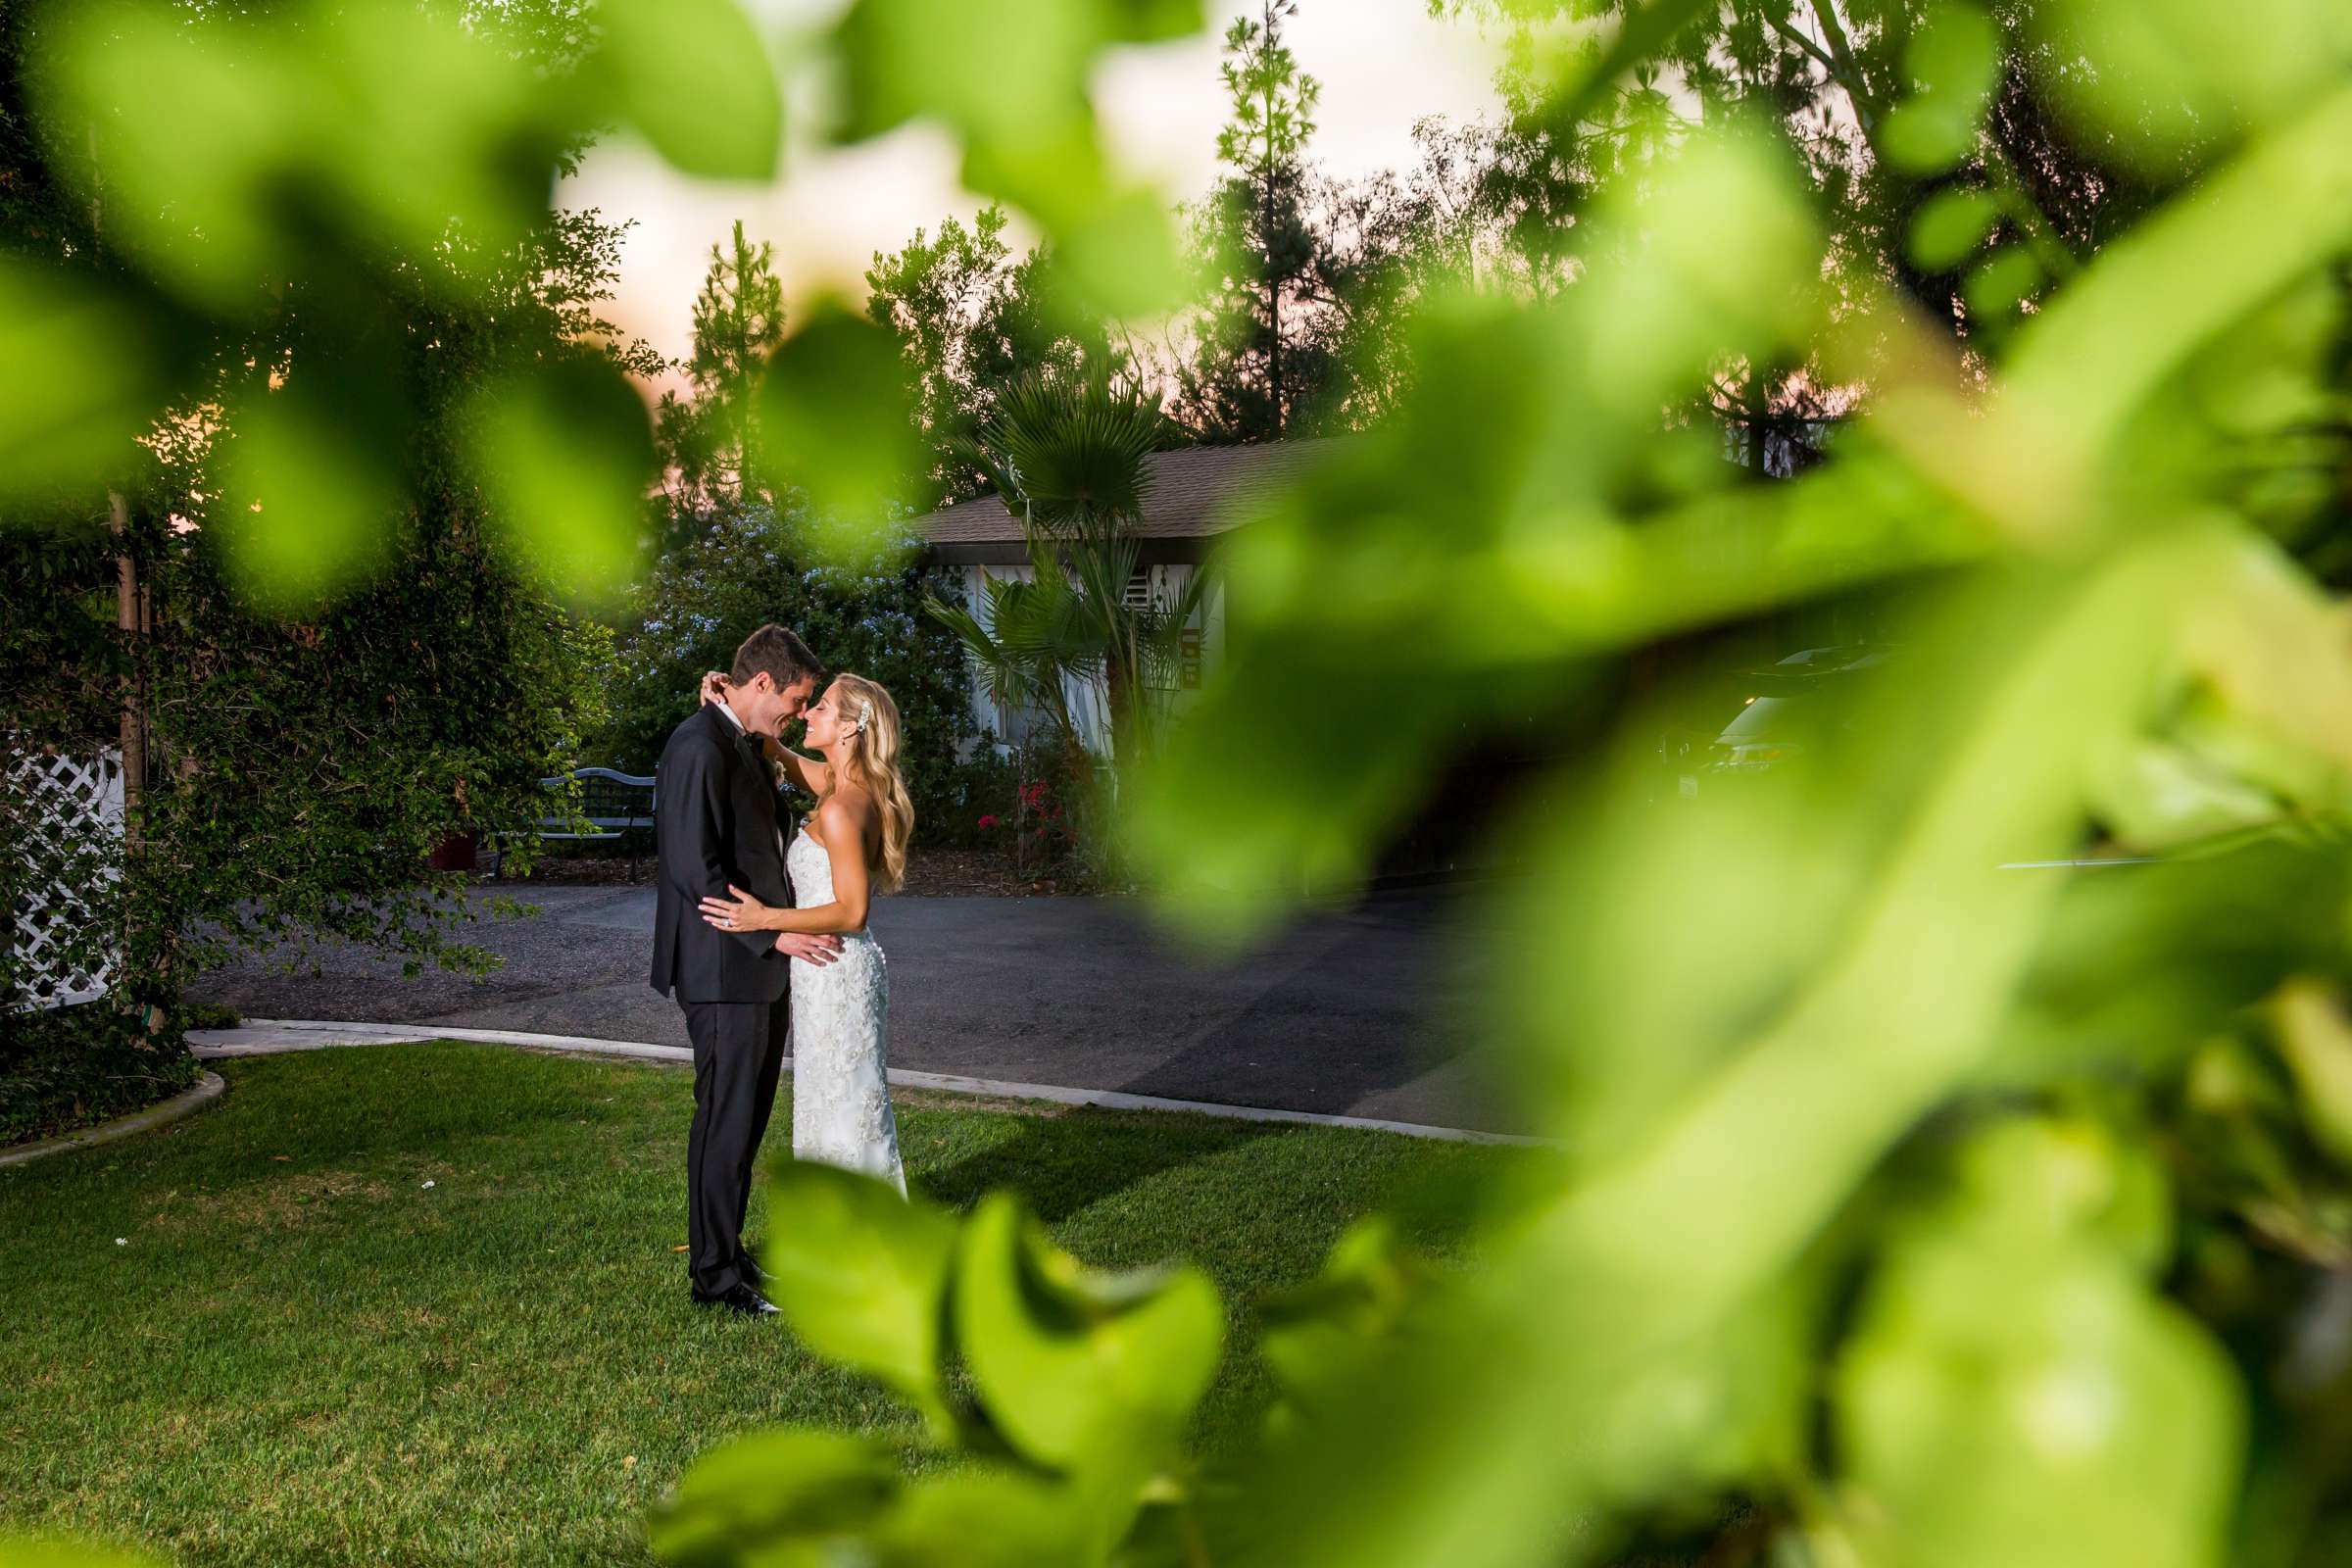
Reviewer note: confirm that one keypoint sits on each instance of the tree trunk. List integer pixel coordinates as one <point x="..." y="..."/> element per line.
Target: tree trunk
<point x="1266" y="238"/>
<point x="1273" y="300"/>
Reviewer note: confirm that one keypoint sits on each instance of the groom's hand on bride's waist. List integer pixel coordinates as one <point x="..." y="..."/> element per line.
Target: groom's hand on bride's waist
<point x="819" y="950"/>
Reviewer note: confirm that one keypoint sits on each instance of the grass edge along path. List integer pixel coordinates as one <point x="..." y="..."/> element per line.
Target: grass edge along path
<point x="420" y="1303"/>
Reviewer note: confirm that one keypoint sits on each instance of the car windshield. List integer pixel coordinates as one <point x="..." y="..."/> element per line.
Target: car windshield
<point x="1756" y="721"/>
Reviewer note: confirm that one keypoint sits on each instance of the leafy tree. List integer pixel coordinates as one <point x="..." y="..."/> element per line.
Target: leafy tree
<point x="972" y="317"/>
<point x="709" y="591"/>
<point x="297" y="740"/>
<point x="1387" y="243"/>
<point x="303" y="758"/>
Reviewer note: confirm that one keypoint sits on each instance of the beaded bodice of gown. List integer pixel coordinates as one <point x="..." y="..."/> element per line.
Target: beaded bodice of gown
<point x="841" y="1113"/>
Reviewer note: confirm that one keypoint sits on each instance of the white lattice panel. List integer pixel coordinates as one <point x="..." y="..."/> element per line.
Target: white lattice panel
<point x="68" y="849"/>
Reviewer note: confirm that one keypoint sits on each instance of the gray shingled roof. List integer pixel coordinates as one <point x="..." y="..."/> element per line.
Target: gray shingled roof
<point x="1194" y="492"/>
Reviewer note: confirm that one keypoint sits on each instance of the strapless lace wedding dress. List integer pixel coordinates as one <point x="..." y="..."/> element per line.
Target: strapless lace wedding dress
<point x="841" y="1111"/>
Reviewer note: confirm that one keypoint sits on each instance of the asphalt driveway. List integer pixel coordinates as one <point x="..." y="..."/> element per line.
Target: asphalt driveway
<point x="1368" y="1011"/>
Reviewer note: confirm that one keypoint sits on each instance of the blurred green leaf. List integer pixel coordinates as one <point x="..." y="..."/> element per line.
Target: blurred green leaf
<point x="2144" y="963"/>
<point x="1956" y="54"/>
<point x="87" y="377"/>
<point x="2075" y="381"/>
<point x="2316" y="1039"/>
<point x="984" y="68"/>
<point x="2063" y="1181"/>
<point x="307" y="511"/>
<point x="861" y="1274"/>
<point x="1320" y="1337"/>
<point x="833" y="415"/>
<point x="1705" y="1196"/>
<point x="1927" y="135"/>
<point x="778" y="1499"/>
<point x="191" y="125"/>
<point x="1151" y="20"/>
<point x="2161" y="79"/>
<point x="2011" y="1396"/>
<point x="1951" y="226"/>
<point x="1081" y="1370"/>
<point x="567" y="453"/>
<point x="979" y="1520"/>
<point x="419" y="132"/>
<point x="1120" y="260"/>
<point x="1008" y="78"/>
<point x="1999" y="283"/>
<point x="221" y="143"/>
<point x="1726" y="263"/>
<point x="2158" y="794"/>
<point x="1956" y="60"/>
<point x="2266" y="678"/>
<point x="693" y="78"/>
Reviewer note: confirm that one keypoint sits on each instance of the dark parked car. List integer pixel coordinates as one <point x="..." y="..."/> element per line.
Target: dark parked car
<point x="1793" y="703"/>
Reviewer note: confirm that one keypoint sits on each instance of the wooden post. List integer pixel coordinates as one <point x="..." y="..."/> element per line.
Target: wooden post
<point x="130" y="605"/>
<point x="130" y="617"/>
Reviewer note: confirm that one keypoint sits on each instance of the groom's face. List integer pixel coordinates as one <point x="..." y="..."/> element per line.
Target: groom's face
<point x="773" y="707"/>
<point x="793" y="701"/>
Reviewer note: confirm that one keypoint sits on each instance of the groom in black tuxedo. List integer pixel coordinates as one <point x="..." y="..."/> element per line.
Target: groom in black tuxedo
<point x="715" y="823"/>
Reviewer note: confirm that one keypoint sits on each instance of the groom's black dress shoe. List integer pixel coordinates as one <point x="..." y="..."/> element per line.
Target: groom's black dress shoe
<point x="741" y="1300"/>
<point x="752" y="1274"/>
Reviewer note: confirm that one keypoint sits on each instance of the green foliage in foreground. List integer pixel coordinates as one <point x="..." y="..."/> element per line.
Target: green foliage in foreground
<point x="1948" y="1211"/>
<point x="302" y="1354"/>
<point x="1935" y="1210"/>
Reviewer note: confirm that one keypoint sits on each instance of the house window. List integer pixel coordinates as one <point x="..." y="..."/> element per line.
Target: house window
<point x="1138" y="592"/>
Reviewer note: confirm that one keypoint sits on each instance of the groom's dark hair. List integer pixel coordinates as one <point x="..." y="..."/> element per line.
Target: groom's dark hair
<point x="777" y="652"/>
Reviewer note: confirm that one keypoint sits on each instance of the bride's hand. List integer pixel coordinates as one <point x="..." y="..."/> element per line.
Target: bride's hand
<point x="742" y="912"/>
<point x="714" y="687"/>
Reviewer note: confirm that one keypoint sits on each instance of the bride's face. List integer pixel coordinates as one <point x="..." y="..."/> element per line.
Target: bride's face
<point x="823" y="718"/>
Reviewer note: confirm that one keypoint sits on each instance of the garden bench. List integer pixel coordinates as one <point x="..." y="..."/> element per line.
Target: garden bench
<point x="614" y="806"/>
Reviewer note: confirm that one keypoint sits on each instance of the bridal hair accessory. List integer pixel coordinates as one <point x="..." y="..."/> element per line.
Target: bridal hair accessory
<point x="865" y="714"/>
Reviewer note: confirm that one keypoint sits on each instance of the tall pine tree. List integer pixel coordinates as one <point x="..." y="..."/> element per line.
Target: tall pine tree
<point x="709" y="441"/>
<point x="1259" y="352"/>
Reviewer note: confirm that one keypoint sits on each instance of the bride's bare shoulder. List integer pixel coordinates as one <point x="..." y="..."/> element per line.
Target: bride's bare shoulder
<point x="849" y="807"/>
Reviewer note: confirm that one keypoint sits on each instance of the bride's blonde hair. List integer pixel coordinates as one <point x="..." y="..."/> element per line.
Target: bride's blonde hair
<point x="872" y="764"/>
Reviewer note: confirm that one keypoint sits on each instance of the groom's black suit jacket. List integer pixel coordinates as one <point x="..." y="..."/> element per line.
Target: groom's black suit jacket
<point x="715" y="823"/>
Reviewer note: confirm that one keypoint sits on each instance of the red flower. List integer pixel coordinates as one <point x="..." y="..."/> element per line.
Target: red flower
<point x="988" y="822"/>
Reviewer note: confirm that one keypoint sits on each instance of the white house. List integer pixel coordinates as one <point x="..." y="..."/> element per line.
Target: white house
<point x="1197" y="494"/>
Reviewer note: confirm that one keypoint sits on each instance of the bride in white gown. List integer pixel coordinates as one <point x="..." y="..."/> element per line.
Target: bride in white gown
<point x="853" y="845"/>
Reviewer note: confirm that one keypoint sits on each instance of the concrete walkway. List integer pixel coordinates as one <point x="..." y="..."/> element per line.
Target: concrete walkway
<point x="1373" y="1013"/>
<point x="272" y="1037"/>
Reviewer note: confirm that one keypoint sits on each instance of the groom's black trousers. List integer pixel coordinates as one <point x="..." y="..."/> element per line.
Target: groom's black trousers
<point x="738" y="1059"/>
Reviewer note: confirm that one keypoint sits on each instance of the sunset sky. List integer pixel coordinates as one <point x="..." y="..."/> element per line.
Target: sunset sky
<point x="1384" y="64"/>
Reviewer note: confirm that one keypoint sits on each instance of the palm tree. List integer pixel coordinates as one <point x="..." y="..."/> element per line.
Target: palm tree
<point x="1070" y="454"/>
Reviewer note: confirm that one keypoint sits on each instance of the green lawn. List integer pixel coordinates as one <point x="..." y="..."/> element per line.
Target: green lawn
<point x="301" y="1352"/>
